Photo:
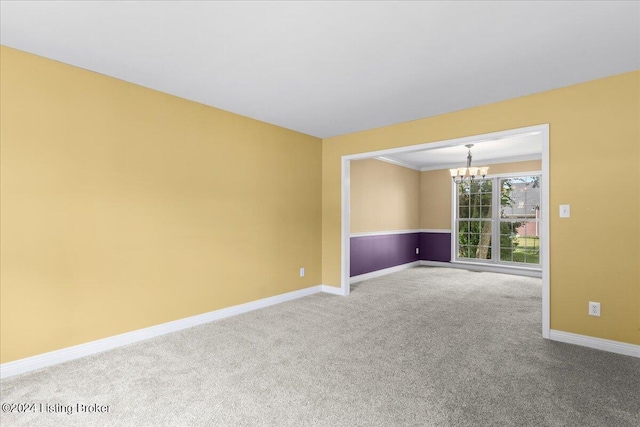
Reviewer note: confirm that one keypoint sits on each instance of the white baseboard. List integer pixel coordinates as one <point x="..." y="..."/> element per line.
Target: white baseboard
<point x="488" y="268"/>
<point x="383" y="272"/>
<point x="597" y="343"/>
<point x="20" y="366"/>
<point x="332" y="290"/>
<point x="437" y="264"/>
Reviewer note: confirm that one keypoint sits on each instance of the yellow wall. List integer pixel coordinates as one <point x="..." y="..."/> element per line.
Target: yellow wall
<point x="387" y="197"/>
<point x="123" y="207"/>
<point x="435" y="200"/>
<point x="594" y="166"/>
<point x="384" y="197"/>
<point x="435" y="192"/>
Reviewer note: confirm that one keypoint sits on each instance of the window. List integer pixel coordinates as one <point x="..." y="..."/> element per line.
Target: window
<point x="475" y="220"/>
<point x="498" y="220"/>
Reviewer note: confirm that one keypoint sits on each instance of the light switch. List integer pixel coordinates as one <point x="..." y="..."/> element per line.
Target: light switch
<point x="565" y="211"/>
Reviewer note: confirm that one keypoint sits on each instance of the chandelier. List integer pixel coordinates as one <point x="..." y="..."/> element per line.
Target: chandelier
<point x="469" y="173"/>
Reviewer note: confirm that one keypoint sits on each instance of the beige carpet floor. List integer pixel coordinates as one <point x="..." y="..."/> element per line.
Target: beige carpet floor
<point x="422" y="347"/>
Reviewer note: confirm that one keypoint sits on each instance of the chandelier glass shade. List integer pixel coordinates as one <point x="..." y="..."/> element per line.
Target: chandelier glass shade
<point x="470" y="173"/>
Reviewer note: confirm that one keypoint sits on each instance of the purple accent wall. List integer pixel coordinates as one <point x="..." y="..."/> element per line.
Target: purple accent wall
<point x="435" y="247"/>
<point x="371" y="253"/>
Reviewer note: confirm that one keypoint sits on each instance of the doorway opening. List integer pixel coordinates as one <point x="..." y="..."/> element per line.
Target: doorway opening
<point x="522" y="246"/>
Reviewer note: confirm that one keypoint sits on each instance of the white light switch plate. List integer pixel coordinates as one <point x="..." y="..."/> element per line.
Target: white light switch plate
<point x="565" y="211"/>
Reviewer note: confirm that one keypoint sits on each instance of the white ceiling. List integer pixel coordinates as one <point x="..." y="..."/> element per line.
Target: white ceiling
<point x="505" y="150"/>
<point x="330" y="68"/>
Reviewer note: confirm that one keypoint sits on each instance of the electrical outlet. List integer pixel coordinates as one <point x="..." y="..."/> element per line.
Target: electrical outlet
<point x="594" y="308"/>
<point x="417" y="251"/>
<point x="302" y="272"/>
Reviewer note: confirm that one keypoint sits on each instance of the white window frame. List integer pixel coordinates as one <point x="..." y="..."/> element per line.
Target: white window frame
<point x="495" y="230"/>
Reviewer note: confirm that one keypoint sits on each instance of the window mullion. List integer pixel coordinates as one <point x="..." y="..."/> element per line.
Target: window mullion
<point x="495" y="221"/>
